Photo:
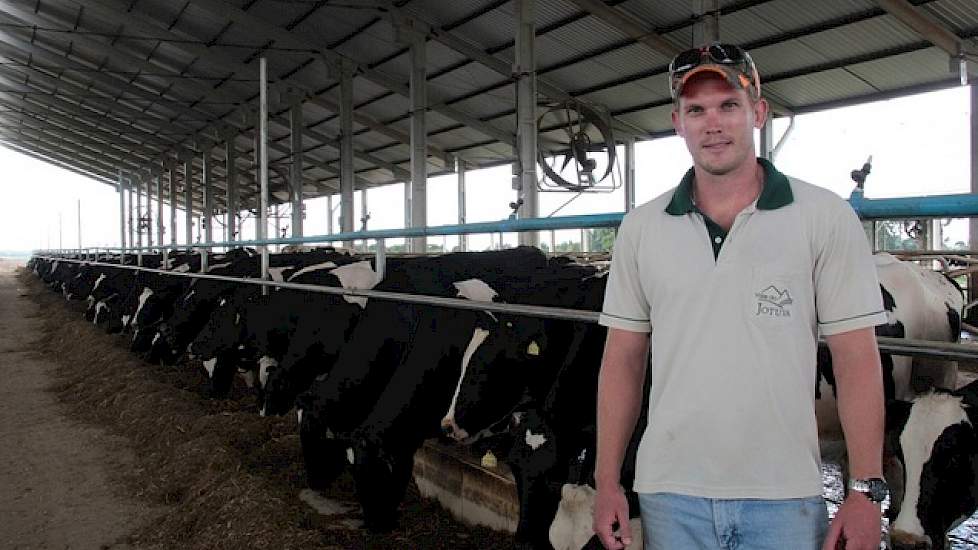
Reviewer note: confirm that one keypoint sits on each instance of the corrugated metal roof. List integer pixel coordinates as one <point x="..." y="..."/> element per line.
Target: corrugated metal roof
<point x="104" y="85"/>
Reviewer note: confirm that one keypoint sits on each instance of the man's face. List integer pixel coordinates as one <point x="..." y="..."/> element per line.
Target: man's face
<point x="717" y="121"/>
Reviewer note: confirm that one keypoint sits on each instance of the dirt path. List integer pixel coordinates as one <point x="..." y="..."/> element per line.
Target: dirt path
<point x="54" y="486"/>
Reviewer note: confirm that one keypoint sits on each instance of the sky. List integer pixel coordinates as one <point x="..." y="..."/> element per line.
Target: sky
<point x="919" y="144"/>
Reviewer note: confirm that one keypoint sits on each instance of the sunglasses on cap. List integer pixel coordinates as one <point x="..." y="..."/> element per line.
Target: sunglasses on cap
<point x="729" y="60"/>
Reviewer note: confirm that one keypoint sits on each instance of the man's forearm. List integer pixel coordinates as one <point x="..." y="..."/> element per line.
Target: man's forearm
<point x="619" y="401"/>
<point x="859" y="382"/>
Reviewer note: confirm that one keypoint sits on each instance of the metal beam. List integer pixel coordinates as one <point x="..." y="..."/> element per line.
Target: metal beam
<point x="149" y="25"/>
<point x="496" y="64"/>
<point x="637" y="31"/>
<point x="926" y="26"/>
<point x="294" y="38"/>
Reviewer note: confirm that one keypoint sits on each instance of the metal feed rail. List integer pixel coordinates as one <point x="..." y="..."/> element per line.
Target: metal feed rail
<point x="896" y="346"/>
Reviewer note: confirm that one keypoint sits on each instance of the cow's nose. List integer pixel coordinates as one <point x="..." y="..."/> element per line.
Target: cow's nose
<point x="908" y="541"/>
<point x="450" y="429"/>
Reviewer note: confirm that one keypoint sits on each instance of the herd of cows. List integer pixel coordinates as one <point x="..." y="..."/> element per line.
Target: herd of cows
<point x="372" y="379"/>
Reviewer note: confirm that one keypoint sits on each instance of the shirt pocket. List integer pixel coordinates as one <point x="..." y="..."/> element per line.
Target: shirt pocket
<point x="773" y="302"/>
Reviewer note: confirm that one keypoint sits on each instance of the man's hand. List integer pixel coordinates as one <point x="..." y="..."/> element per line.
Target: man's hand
<point x="610" y="507"/>
<point x="856" y="525"/>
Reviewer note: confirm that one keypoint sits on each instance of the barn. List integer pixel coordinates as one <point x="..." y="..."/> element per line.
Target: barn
<point x="280" y="362"/>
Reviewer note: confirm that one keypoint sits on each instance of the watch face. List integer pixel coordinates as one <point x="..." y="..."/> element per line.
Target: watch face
<point x="878" y="490"/>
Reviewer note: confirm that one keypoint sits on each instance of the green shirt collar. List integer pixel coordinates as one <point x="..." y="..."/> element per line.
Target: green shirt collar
<point x="775" y="193"/>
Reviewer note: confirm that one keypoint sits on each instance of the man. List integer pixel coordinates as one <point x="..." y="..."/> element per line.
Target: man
<point x="734" y="273"/>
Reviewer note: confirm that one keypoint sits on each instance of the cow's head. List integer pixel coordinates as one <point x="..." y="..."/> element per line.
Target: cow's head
<point x="501" y="360"/>
<point x="937" y="445"/>
<point x="222" y="332"/>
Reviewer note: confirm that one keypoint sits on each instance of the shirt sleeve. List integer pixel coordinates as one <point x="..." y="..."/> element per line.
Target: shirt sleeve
<point x="847" y="290"/>
<point x="625" y="303"/>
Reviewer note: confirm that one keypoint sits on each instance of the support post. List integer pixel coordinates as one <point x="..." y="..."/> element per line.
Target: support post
<point x="525" y="70"/>
<point x="139" y="212"/>
<point x="364" y="215"/>
<point x="188" y="197"/>
<point x="463" y="240"/>
<point x="159" y="206"/>
<point x="767" y="139"/>
<point x="79" y="226"/>
<point x="122" y="215"/>
<point x="415" y="191"/>
<point x="148" y="187"/>
<point x="131" y="209"/>
<point x="205" y="176"/>
<point x="346" y="154"/>
<point x="973" y="222"/>
<point x="263" y="169"/>
<point x="329" y="214"/>
<point x="295" y="174"/>
<point x="629" y="174"/>
<point x="232" y="184"/>
<point x="707" y="26"/>
<point x="171" y="178"/>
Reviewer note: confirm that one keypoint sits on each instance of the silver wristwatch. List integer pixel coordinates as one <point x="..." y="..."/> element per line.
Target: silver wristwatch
<point x="874" y="488"/>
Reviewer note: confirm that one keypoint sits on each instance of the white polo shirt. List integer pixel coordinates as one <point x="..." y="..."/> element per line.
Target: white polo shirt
<point x="734" y="336"/>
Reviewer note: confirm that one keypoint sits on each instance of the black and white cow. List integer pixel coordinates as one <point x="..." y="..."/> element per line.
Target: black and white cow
<point x="538" y="379"/>
<point x="384" y="338"/>
<point x="249" y="333"/>
<point x="936" y="440"/>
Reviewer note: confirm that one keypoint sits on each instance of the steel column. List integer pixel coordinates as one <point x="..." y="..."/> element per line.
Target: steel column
<point x="139" y="211"/>
<point x="232" y="185"/>
<point x="707" y="26"/>
<point x="171" y="176"/>
<point x="149" y="208"/>
<point x="79" y="225"/>
<point x="122" y="213"/>
<point x="973" y="222"/>
<point x="188" y="198"/>
<point x="329" y="214"/>
<point x="263" y="167"/>
<point x="346" y="153"/>
<point x="525" y="70"/>
<point x="415" y="199"/>
<point x="629" y="174"/>
<point x="295" y="174"/>
<point x="131" y="208"/>
<point x="159" y="206"/>
<point x="463" y="240"/>
<point x="767" y="139"/>
<point x="205" y="176"/>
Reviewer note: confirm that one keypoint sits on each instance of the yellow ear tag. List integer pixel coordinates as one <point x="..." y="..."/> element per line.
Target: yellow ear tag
<point x="533" y="349"/>
<point x="489" y="460"/>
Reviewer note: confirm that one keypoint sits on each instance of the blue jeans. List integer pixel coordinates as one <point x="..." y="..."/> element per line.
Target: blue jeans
<point x="679" y="522"/>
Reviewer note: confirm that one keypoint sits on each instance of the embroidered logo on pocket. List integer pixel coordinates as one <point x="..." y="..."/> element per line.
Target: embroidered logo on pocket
<point x="773" y="302"/>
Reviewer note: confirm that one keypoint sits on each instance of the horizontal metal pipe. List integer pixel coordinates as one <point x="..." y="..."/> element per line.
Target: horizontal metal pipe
<point x="896" y="346"/>
<point x="939" y="206"/>
<point x="964" y="205"/>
